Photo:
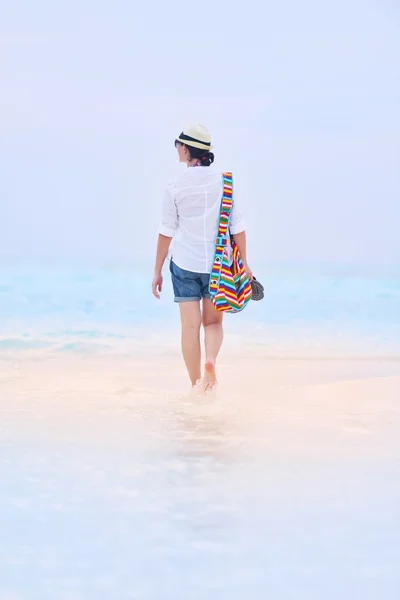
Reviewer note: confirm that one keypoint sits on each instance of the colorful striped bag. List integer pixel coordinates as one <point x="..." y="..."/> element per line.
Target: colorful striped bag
<point x="229" y="286"/>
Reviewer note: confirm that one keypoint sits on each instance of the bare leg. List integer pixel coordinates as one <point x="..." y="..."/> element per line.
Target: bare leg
<point x="191" y="321"/>
<point x="213" y="337"/>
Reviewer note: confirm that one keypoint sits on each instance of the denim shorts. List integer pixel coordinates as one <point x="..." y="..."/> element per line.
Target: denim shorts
<point x="188" y="286"/>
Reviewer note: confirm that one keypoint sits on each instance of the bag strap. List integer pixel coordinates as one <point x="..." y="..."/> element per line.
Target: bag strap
<point x="223" y="239"/>
<point x="226" y="208"/>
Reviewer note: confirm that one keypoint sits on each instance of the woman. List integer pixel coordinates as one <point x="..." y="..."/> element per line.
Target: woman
<point x="190" y="215"/>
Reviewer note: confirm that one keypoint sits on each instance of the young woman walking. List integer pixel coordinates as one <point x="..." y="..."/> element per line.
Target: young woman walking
<point x="190" y="215"/>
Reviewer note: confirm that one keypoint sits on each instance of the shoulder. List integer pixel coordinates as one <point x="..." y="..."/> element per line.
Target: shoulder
<point x="171" y="186"/>
<point x="175" y="182"/>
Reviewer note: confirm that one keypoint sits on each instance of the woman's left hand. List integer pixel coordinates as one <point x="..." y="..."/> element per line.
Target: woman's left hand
<point x="157" y="285"/>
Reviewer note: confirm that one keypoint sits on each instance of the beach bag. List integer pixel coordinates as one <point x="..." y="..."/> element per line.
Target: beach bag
<point x="229" y="287"/>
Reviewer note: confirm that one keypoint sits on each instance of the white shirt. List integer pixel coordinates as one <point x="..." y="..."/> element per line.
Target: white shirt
<point x="190" y="214"/>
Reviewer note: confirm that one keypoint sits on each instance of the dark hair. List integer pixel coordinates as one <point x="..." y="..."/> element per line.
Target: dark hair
<point x="205" y="157"/>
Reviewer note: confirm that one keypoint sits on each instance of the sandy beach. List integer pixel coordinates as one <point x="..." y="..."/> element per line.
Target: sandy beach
<point x="283" y="482"/>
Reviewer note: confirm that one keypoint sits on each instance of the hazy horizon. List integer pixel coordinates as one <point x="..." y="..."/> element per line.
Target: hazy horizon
<point x="302" y="103"/>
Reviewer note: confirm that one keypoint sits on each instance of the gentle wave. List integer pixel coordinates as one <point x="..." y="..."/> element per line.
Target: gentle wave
<point x="305" y="311"/>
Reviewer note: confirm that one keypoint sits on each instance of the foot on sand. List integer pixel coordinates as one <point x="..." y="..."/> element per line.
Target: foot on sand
<point x="210" y="377"/>
<point x="197" y="388"/>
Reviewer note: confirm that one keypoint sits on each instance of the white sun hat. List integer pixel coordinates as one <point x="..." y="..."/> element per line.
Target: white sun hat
<point x="196" y="136"/>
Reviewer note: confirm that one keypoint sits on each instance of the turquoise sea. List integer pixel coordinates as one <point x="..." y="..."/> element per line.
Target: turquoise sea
<point x="331" y="309"/>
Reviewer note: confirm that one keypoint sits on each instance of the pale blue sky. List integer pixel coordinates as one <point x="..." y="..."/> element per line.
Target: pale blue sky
<point x="302" y="99"/>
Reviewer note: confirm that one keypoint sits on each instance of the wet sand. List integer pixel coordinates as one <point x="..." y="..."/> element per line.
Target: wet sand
<point x="116" y="483"/>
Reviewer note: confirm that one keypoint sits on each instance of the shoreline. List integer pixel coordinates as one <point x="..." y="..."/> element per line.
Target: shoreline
<point x="250" y="373"/>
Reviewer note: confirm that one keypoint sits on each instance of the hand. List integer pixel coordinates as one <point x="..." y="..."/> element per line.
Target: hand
<point x="249" y="272"/>
<point x="157" y="285"/>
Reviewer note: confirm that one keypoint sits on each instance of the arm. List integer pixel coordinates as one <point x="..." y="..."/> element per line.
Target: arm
<point x="240" y="241"/>
<point x="237" y="228"/>
<point x="163" y="245"/>
<point x="166" y="231"/>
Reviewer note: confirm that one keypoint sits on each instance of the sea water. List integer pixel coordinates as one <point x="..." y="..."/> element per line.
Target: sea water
<point x="328" y="309"/>
<point x="116" y="484"/>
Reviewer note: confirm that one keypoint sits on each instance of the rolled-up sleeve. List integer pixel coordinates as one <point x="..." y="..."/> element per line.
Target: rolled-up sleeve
<point x="169" y="215"/>
<point x="237" y="223"/>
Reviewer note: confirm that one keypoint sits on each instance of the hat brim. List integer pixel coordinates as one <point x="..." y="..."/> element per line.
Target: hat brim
<point x="198" y="145"/>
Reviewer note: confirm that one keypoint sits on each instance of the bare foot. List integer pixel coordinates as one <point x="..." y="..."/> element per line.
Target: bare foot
<point x="197" y="388"/>
<point x="210" y="376"/>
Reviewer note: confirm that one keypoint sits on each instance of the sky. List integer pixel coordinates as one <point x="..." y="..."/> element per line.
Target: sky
<point x="302" y="100"/>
